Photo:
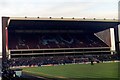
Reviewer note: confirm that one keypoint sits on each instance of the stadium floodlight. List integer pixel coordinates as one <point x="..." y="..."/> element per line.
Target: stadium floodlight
<point x="83" y="18"/>
<point x="61" y="17"/>
<point x="94" y="18"/>
<point x="113" y="18"/>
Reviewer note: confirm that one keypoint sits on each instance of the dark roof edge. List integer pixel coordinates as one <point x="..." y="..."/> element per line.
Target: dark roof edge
<point x="63" y="19"/>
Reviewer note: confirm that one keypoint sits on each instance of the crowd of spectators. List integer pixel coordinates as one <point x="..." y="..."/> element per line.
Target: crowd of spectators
<point x="58" y="60"/>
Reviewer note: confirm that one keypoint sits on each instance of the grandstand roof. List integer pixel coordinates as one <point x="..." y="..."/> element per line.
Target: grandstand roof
<point x="94" y="24"/>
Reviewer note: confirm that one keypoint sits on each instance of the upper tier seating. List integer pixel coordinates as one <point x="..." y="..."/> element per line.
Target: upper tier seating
<point x="45" y="41"/>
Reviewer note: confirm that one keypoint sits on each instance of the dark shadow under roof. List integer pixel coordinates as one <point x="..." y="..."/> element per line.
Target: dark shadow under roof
<point x="88" y="25"/>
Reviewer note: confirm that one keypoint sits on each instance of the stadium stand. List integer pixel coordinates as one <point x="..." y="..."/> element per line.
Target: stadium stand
<point x="37" y="42"/>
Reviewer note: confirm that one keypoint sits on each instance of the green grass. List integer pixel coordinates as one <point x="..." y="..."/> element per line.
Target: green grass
<point x="101" y="70"/>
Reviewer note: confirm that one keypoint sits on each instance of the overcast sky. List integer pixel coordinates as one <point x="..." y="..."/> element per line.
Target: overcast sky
<point x="59" y="8"/>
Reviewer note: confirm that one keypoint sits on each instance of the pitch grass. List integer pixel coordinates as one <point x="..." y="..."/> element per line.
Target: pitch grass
<point x="77" y="71"/>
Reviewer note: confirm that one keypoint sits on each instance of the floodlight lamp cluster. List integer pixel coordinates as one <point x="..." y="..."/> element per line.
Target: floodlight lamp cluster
<point x="73" y="18"/>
